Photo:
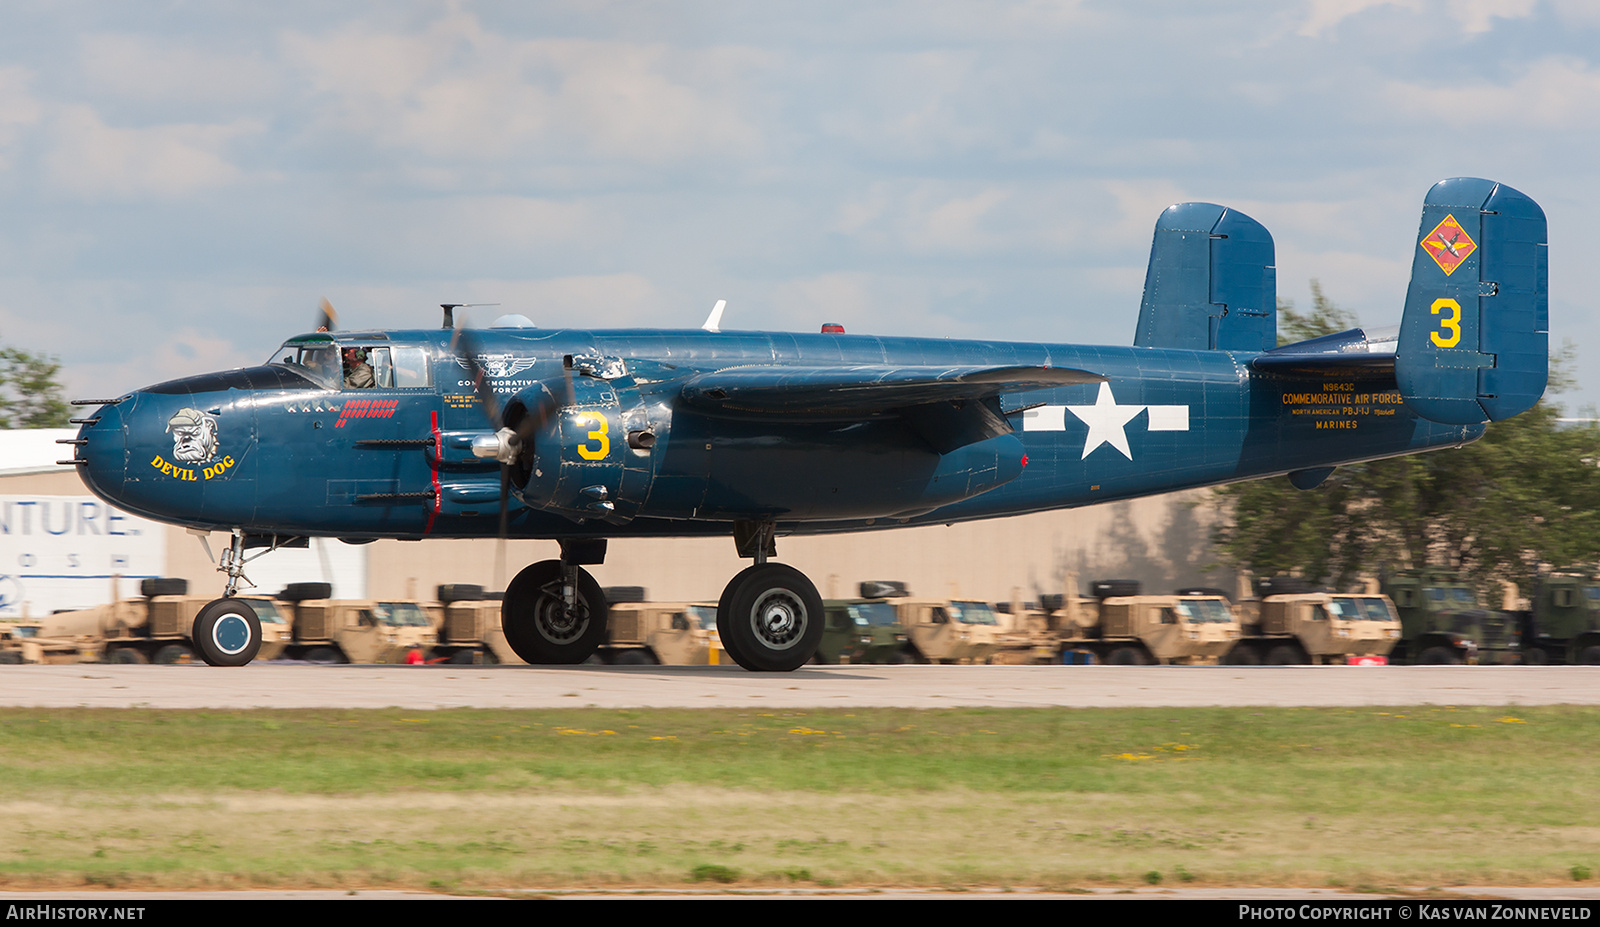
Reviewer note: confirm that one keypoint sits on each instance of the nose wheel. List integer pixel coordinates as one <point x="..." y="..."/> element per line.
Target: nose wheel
<point x="770" y="618"/>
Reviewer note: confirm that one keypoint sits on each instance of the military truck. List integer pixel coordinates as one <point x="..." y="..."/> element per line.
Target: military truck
<point x="1117" y="624"/>
<point x="467" y="622"/>
<point x="1290" y="621"/>
<point x="1441" y="622"/>
<point x="644" y="633"/>
<point x="353" y="630"/>
<point x="937" y="630"/>
<point x="1564" y="624"/>
<point x="862" y="631"/>
<point x="154" y="628"/>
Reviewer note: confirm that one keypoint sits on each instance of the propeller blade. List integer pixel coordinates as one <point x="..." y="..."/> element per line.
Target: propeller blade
<point x="327" y="319"/>
<point x="465" y="348"/>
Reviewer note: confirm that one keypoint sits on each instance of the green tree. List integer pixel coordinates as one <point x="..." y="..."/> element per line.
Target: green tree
<point x="30" y="393"/>
<point x="1524" y="498"/>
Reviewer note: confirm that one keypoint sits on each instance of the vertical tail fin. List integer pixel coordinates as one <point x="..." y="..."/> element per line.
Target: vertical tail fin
<point x="1474" y="340"/>
<point x="1211" y="283"/>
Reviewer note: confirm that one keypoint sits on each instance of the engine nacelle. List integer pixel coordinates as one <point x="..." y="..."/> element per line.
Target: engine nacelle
<point x="588" y="455"/>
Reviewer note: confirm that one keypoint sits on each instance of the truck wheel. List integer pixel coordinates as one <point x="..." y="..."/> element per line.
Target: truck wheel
<point x="174" y="653"/>
<point x="1439" y="656"/>
<point x="462" y="658"/>
<point x="1589" y="656"/>
<point x="537" y="624"/>
<point x="164" y="585"/>
<point x="127" y="656"/>
<point x="227" y="633"/>
<point x="1126" y="656"/>
<point x="1284" y="655"/>
<point x="773" y="619"/>
<point x="323" y="655"/>
<point x="306" y="592"/>
<point x="1243" y="655"/>
<point x="635" y="658"/>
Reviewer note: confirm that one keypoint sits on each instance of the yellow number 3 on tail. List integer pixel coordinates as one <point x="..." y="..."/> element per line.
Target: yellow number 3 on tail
<point x="1452" y="323"/>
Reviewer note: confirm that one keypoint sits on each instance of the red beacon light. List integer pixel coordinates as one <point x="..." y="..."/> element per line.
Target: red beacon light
<point x="833" y="328"/>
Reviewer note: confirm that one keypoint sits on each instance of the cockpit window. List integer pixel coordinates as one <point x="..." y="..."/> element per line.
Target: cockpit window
<point x="358" y="366"/>
<point x="319" y="361"/>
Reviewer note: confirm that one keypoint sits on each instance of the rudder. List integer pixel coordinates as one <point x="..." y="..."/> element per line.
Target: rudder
<point x="1474" y="340"/>
<point x="1211" y="282"/>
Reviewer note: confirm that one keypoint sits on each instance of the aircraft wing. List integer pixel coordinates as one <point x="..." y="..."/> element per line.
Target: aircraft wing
<point x="949" y="407"/>
<point x="866" y="389"/>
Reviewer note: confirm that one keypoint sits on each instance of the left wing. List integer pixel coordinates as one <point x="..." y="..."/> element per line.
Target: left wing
<point x="949" y="407"/>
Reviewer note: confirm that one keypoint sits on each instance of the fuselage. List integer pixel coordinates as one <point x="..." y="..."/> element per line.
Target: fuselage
<point x="282" y="449"/>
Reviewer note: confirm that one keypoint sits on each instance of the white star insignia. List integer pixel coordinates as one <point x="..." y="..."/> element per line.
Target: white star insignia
<point x="1106" y="421"/>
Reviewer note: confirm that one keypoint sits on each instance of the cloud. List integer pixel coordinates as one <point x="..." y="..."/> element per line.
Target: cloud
<point x="161" y="70"/>
<point x="18" y="107"/>
<point x="90" y="159"/>
<point x="455" y="90"/>
<point x="1473" y="16"/>
<point x="1552" y="93"/>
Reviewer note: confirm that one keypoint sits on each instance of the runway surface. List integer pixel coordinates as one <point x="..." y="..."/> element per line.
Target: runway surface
<point x="434" y="687"/>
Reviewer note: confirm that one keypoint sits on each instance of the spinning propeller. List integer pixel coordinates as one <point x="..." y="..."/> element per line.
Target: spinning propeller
<point x="516" y="424"/>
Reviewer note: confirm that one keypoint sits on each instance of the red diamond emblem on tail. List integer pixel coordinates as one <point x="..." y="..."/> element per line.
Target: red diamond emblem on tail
<point x="1448" y="244"/>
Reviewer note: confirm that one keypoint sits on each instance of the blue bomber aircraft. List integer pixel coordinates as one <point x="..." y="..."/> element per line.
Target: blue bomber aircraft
<point x="579" y="436"/>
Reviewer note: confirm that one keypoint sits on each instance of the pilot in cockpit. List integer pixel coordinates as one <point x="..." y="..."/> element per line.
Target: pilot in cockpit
<point x="357" y="373"/>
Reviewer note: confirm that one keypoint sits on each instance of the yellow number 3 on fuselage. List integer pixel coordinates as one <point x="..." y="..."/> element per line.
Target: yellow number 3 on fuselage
<point x="1451" y="323"/>
<point x="599" y="435"/>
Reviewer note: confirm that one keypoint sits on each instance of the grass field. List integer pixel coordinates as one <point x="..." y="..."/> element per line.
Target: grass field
<point x="472" y="799"/>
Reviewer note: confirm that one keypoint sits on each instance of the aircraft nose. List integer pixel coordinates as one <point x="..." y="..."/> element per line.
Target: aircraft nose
<point x="104" y="450"/>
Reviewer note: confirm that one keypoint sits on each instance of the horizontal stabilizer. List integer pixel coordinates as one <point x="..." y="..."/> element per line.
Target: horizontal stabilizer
<point x="1349" y="355"/>
<point x="868" y="389"/>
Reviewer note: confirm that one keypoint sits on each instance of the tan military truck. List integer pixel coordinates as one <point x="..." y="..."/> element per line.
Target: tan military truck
<point x="939" y="630"/>
<point x="20" y="642"/>
<point x="1291" y="622"/>
<point x="154" y="628"/>
<point x="468" y="627"/>
<point x="1118" y="625"/>
<point x="644" y="633"/>
<point x="354" y="630"/>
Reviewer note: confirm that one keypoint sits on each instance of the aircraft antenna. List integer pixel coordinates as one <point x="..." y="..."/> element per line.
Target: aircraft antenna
<point x="714" y="320"/>
<point x="450" y="311"/>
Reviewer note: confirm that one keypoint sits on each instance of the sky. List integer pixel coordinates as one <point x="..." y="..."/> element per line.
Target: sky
<point x="181" y="182"/>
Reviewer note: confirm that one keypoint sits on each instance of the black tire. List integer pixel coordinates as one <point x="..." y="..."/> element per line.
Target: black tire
<point x="899" y="658"/>
<point x="305" y="592"/>
<point x="127" y="656"/>
<point x="615" y="594"/>
<point x="773" y="620"/>
<point x="324" y="655"/>
<point x="635" y="658"/>
<point x="1243" y="655"/>
<point x="535" y="620"/>
<point x="1127" y="656"/>
<point x="164" y="585"/>
<point x="460" y="592"/>
<point x="173" y="653"/>
<point x="227" y="633"/>
<point x="10" y="658"/>
<point x="1204" y="590"/>
<point x="1285" y="655"/>
<point x="463" y="658"/>
<point x="1439" y="656"/>
<point x="1589" y="656"/>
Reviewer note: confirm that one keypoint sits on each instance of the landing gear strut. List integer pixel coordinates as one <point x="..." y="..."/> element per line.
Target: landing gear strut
<point x="770" y="615"/>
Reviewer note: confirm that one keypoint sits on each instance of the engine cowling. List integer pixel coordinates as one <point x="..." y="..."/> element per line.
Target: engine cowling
<point x="586" y="453"/>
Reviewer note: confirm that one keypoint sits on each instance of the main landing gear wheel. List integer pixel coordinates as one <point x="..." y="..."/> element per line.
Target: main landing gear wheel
<point x="227" y="633"/>
<point x="539" y="626"/>
<point x="770" y="618"/>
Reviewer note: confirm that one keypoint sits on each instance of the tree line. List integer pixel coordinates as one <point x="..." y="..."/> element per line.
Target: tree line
<point x="1521" y="501"/>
